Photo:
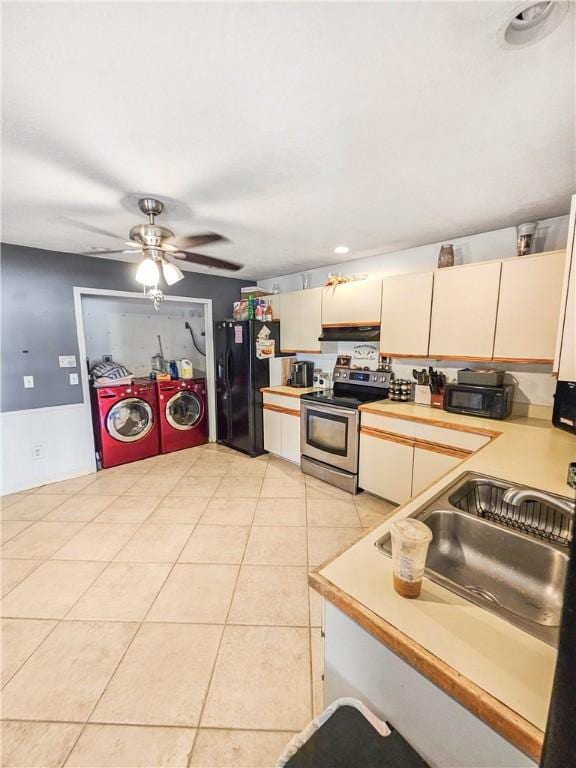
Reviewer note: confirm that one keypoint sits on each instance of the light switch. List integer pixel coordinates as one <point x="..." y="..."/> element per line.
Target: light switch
<point x="73" y="378"/>
<point x="67" y="361"/>
<point x="28" y="382"/>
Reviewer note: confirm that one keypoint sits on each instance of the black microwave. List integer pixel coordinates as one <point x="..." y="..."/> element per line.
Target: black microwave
<point x="564" y="413"/>
<point x="479" y="400"/>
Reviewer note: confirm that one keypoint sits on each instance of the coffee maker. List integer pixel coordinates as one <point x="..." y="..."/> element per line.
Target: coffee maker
<point x="303" y="373"/>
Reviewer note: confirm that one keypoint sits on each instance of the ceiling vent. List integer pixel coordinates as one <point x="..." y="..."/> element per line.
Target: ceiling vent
<point x="531" y="22"/>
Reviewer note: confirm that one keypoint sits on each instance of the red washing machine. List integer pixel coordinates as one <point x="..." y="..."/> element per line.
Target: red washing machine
<point x="183" y="414"/>
<point x="126" y="424"/>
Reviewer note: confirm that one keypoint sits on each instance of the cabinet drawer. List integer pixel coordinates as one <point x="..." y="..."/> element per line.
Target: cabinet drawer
<point x="385" y="424"/>
<point x="282" y="401"/>
<point x="454" y="438"/>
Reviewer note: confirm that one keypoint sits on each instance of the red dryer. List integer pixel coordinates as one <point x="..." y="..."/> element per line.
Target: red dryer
<point x="125" y="422"/>
<point x="183" y="414"/>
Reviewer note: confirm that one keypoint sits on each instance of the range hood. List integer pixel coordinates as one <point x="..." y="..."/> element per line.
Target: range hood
<point x="350" y="333"/>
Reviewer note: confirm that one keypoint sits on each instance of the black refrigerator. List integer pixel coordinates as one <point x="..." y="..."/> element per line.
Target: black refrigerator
<point x="243" y="349"/>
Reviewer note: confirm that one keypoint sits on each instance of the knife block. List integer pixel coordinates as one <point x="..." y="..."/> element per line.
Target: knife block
<point x="437" y="400"/>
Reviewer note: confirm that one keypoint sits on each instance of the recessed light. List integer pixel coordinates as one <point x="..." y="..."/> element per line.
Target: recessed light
<point x="532" y="21"/>
<point x="341" y="249"/>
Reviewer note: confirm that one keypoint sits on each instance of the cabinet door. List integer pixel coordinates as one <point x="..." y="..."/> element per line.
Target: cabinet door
<point x="355" y="303"/>
<point x="386" y="467"/>
<point x="429" y="466"/>
<point x="529" y="307"/>
<point x="272" y="431"/>
<point x="565" y="354"/>
<point x="274" y="302"/>
<point x="405" y="320"/>
<point x="309" y="317"/>
<point x="464" y="307"/>
<point x="567" y="368"/>
<point x="291" y="438"/>
<point x="290" y="324"/>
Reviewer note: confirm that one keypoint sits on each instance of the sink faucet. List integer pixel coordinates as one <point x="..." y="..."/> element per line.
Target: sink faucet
<point x="517" y="496"/>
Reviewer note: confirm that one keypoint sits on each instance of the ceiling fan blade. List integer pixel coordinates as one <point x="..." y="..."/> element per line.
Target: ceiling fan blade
<point x="205" y="261"/>
<point x="87" y="227"/>
<point x="195" y="241"/>
<point x="104" y="253"/>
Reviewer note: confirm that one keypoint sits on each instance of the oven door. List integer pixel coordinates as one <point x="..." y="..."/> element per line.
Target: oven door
<point x="330" y="434"/>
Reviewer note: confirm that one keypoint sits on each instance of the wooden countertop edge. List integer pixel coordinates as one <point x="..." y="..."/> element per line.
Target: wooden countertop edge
<point x="430" y="420"/>
<point x="503" y="720"/>
<point x="274" y="391"/>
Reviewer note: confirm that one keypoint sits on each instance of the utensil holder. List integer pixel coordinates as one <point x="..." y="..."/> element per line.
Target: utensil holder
<point x="437" y="400"/>
<point x="422" y="394"/>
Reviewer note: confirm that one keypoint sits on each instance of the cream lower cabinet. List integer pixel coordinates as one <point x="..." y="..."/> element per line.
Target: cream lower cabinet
<point x="290" y="444"/>
<point x="282" y="427"/>
<point x="272" y="431"/>
<point x="385" y="467"/>
<point x="300" y="325"/>
<point x="399" y="459"/>
<point x="428" y="466"/>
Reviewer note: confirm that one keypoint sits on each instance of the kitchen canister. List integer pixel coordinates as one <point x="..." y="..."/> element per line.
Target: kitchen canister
<point x="401" y="389"/>
<point x="446" y="256"/>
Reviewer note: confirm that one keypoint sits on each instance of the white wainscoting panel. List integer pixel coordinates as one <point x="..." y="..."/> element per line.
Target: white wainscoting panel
<point x="65" y="440"/>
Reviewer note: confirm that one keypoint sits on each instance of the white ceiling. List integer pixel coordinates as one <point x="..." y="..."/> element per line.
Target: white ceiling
<point x="288" y="127"/>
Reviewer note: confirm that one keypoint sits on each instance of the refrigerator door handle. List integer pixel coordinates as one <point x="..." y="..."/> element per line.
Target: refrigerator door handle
<point x="230" y="368"/>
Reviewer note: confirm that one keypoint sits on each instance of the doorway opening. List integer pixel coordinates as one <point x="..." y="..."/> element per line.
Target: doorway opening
<point x="123" y="327"/>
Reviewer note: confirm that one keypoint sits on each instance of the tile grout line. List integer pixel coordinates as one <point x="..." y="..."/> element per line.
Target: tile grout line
<point x="129" y="645"/>
<point x="309" y="608"/>
<point x="210" y="679"/>
<point x="157" y="468"/>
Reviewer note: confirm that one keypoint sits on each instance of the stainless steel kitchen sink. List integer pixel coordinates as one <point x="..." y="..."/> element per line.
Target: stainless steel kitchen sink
<point x="510" y="559"/>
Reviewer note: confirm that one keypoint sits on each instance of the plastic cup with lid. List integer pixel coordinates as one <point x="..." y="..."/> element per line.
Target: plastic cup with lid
<point x="410" y="540"/>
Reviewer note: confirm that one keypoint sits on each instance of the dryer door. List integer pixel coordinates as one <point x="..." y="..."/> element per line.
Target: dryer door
<point x="184" y="410"/>
<point x="129" y="420"/>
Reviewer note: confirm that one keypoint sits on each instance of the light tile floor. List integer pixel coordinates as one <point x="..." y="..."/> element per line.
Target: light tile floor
<point x="158" y="614"/>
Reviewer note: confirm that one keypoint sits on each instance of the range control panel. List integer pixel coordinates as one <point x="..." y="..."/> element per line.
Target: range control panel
<point x="365" y="378"/>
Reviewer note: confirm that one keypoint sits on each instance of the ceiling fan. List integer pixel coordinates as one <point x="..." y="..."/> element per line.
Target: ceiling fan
<point x="159" y="245"/>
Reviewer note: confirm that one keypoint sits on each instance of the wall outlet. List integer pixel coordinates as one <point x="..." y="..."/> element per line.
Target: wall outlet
<point x="38" y="452"/>
<point x="28" y="382"/>
<point x="73" y="378"/>
<point x="67" y="361"/>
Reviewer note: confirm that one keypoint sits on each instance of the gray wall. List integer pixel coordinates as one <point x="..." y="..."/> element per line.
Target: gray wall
<point x="38" y="316"/>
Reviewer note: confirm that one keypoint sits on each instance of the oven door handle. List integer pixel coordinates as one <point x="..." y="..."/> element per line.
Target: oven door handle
<point x="351" y="413"/>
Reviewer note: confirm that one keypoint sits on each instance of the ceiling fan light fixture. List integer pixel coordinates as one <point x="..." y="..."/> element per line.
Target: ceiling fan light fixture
<point x="532" y="21"/>
<point x="148" y="272"/>
<point x="171" y="273"/>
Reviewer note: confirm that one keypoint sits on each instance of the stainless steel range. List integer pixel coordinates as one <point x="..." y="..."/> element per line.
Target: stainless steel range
<point x="330" y="425"/>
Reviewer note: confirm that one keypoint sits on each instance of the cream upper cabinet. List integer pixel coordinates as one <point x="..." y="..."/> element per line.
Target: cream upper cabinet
<point x="274" y="302"/>
<point x="405" y="319"/>
<point x="300" y="325"/>
<point x="356" y="303"/>
<point x="529" y="307"/>
<point x="464" y="309"/>
<point x="289" y="324"/>
<point x="565" y="356"/>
